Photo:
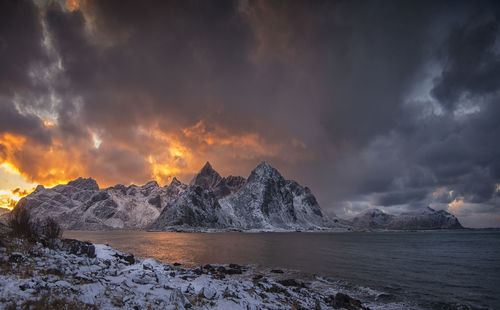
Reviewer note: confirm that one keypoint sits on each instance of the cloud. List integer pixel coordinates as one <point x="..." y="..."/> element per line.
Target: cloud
<point x="472" y="67"/>
<point x="447" y="158"/>
<point x="390" y="105"/>
<point x="20" y="47"/>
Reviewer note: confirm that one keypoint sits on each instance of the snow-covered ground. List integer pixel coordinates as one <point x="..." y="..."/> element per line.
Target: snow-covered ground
<point x="80" y="275"/>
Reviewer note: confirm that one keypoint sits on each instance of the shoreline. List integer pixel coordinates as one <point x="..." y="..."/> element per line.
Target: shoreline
<point x="95" y="276"/>
<point x="30" y="275"/>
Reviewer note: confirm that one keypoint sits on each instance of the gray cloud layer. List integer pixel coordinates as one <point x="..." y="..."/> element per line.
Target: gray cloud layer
<point x="392" y="104"/>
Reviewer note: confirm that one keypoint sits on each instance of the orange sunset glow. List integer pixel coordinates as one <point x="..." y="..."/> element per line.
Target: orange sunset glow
<point x="8" y="199"/>
<point x="163" y="154"/>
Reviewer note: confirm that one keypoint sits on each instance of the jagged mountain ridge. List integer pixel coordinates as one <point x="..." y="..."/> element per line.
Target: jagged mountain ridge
<point x="265" y="201"/>
<point x="269" y="201"/>
<point x="196" y="207"/>
<point x="210" y="179"/>
<point x="80" y="204"/>
<point x="211" y="202"/>
<point x="426" y="219"/>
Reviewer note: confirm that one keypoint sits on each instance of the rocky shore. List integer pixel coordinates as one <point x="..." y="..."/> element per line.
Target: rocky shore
<point x="62" y="274"/>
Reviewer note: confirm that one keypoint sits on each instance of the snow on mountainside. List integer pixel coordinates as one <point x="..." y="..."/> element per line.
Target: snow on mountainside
<point x="210" y="179"/>
<point x="80" y="204"/>
<point x="59" y="201"/>
<point x="268" y="201"/>
<point x="195" y="207"/>
<point x="264" y="201"/>
<point x="375" y="219"/>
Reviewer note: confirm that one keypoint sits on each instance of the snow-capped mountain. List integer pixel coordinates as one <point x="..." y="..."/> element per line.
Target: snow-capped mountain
<point x="59" y="201"/>
<point x="80" y="204"/>
<point x="268" y="201"/>
<point x="210" y="179"/>
<point x="428" y="218"/>
<point x="121" y="207"/>
<point x="265" y="201"/>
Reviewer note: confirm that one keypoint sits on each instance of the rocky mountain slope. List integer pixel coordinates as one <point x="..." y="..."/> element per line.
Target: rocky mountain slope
<point x="375" y="219"/>
<point x="266" y="201"/>
<point x="59" y="201"/>
<point x="269" y="201"/>
<point x="80" y="204"/>
<point x="195" y="207"/>
<point x="210" y="179"/>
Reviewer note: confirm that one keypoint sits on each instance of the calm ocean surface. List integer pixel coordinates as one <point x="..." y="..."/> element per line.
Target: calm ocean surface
<point x="429" y="270"/>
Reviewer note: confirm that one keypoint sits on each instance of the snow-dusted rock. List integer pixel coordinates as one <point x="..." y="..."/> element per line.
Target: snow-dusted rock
<point x="265" y="201"/>
<point x="195" y="207"/>
<point x="210" y="179"/>
<point x="427" y="218"/>
<point x="268" y="201"/>
<point x="80" y="204"/>
<point x="209" y="292"/>
<point x="104" y="282"/>
<point x="59" y="201"/>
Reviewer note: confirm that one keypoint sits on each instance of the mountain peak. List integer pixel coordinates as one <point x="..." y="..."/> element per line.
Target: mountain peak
<point x="264" y="171"/>
<point x="207" y="166"/>
<point x="207" y="177"/>
<point x="85" y="184"/>
<point x="207" y="170"/>
<point x="264" y="165"/>
<point x="151" y="184"/>
<point x="175" y="182"/>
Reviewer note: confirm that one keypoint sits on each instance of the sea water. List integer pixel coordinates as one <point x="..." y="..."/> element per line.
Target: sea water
<point x="423" y="270"/>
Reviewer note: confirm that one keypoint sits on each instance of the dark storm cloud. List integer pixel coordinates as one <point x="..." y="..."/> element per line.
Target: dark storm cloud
<point x="454" y="149"/>
<point x="20" y="49"/>
<point x="13" y="122"/>
<point x="170" y="55"/>
<point x="472" y="63"/>
<point x="114" y="163"/>
<point x="333" y="93"/>
<point x="403" y="197"/>
<point x="20" y="44"/>
<point x="377" y="64"/>
<point x="430" y="155"/>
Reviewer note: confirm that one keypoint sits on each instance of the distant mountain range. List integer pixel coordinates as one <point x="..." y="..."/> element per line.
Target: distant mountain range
<point x="428" y="218"/>
<point x="265" y="201"/>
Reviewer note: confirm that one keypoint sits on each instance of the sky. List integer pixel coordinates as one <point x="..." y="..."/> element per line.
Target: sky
<point x="372" y="104"/>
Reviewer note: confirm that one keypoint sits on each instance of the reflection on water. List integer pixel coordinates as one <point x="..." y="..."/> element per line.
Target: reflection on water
<point x="201" y="248"/>
<point x="460" y="267"/>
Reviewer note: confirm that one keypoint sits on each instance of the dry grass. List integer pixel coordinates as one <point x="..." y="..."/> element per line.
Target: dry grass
<point x="21" y="224"/>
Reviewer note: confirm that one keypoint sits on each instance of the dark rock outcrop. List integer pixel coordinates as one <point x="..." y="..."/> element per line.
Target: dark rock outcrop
<point x="343" y="301"/>
<point x="77" y="247"/>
